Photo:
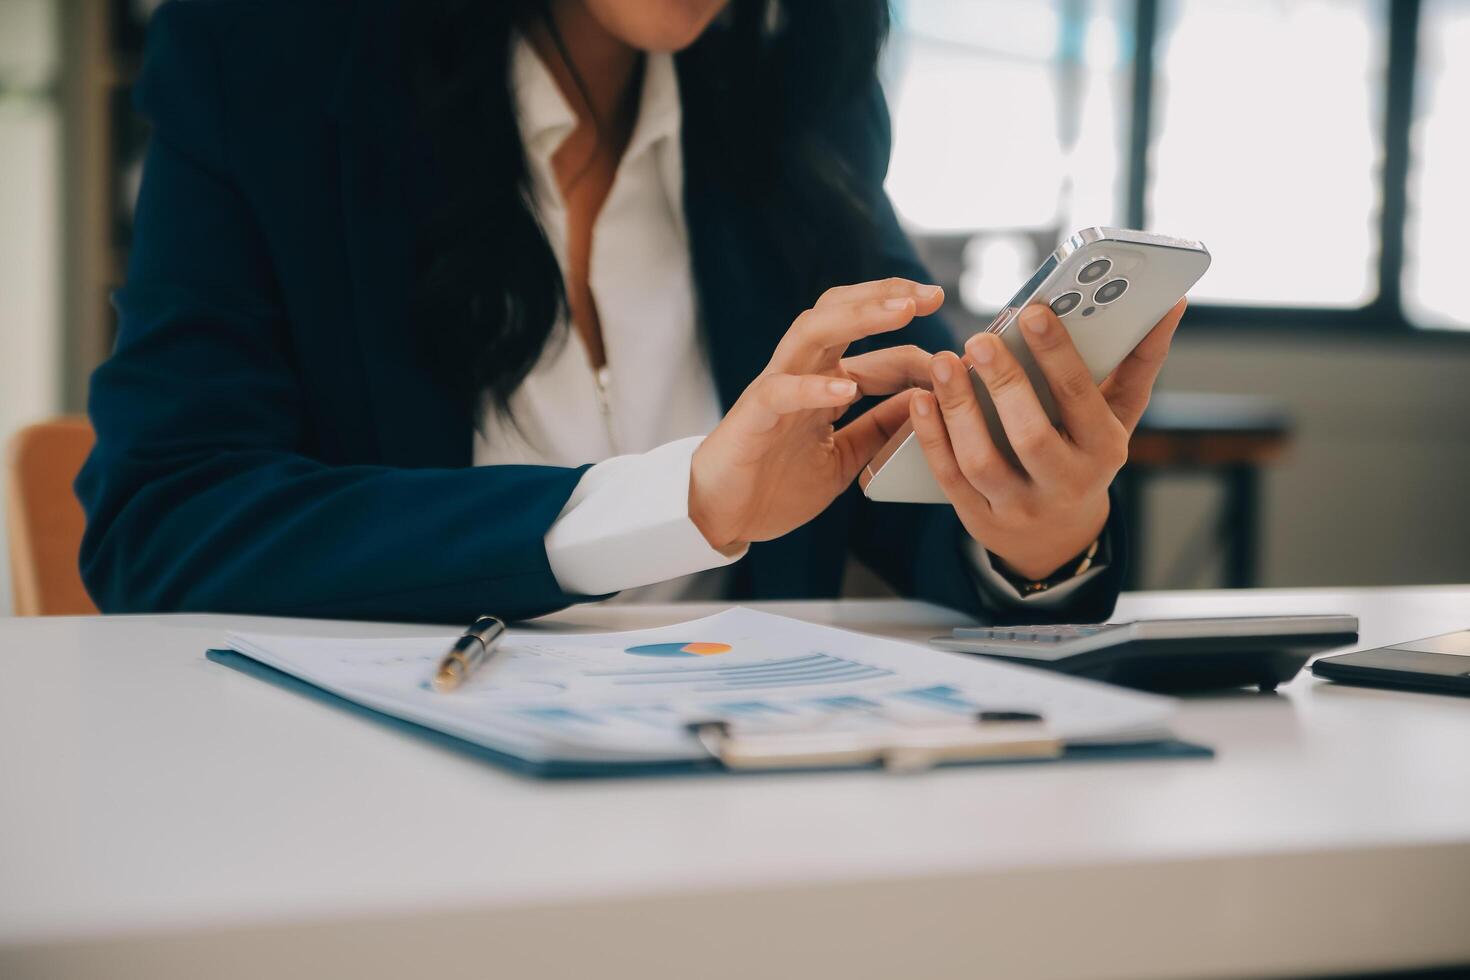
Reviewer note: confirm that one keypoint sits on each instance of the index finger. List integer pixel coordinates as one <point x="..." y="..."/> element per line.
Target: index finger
<point x="1128" y="387"/>
<point x="1081" y="405"/>
<point x="823" y="329"/>
<point x="927" y="297"/>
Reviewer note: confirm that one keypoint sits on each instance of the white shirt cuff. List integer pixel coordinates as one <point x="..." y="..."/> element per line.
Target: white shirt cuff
<point x="997" y="584"/>
<point x="627" y="524"/>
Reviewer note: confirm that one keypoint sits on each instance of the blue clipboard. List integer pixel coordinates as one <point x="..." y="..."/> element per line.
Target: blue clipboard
<point x="1168" y="749"/>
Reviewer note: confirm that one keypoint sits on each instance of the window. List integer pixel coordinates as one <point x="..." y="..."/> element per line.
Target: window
<point x="1271" y="162"/>
<point x="1315" y="145"/>
<point x="1439" y="195"/>
<point x="1006" y="140"/>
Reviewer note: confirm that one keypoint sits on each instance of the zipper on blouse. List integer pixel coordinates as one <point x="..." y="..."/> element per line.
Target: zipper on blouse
<point x="600" y="379"/>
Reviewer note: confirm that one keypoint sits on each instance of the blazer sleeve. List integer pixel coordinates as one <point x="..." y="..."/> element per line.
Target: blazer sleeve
<point x="201" y="493"/>
<point x="918" y="549"/>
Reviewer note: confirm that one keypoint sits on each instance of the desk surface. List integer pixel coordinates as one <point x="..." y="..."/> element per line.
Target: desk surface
<point x="159" y="812"/>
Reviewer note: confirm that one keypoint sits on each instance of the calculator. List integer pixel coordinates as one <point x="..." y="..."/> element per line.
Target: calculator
<point x="1171" y="655"/>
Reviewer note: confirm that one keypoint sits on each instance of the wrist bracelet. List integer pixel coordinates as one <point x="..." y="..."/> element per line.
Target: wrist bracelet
<point x="1082" y="563"/>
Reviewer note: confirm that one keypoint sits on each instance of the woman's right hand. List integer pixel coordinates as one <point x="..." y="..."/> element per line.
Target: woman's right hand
<point x="776" y="461"/>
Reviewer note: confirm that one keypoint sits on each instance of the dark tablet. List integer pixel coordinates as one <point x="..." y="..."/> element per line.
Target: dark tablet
<point x="1437" y="663"/>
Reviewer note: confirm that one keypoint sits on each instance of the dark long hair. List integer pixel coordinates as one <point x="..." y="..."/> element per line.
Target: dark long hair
<point x="760" y="91"/>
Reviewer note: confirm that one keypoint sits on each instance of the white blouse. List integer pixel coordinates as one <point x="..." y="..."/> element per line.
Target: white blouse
<point x="641" y="417"/>
<point x="626" y="527"/>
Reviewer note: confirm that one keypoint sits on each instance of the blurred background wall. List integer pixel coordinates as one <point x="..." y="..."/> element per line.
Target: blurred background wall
<point x="30" y="225"/>
<point x="1318" y="147"/>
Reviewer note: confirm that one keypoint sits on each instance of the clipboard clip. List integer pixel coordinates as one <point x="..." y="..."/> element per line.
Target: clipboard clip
<point x="988" y="735"/>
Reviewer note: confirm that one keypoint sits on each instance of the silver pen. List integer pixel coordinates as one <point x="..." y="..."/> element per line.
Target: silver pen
<point x="468" y="653"/>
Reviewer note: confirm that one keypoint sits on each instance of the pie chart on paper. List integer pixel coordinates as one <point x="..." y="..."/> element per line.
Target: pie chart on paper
<point x="685" y="649"/>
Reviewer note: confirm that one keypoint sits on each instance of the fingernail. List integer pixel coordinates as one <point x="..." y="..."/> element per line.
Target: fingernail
<point x="942" y="371"/>
<point x="983" y="350"/>
<point x="928" y="292"/>
<point x="921" y="405"/>
<point x="845" y="388"/>
<point x="1034" y="318"/>
<point x="895" y="304"/>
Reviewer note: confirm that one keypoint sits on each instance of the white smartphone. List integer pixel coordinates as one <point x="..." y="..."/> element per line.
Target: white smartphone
<point x="1109" y="286"/>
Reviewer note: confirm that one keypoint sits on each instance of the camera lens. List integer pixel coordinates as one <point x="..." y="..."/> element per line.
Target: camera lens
<point x="1109" y="292"/>
<point x="1094" y="270"/>
<point x="1066" y="303"/>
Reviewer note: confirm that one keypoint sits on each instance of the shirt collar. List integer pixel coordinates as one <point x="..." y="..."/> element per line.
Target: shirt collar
<point x="546" y="119"/>
<point x="659" y="112"/>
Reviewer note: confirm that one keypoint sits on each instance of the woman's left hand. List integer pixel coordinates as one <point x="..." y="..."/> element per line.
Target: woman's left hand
<point x="1050" y="509"/>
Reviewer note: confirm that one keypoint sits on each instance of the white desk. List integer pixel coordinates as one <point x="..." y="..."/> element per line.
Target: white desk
<point x="161" y="816"/>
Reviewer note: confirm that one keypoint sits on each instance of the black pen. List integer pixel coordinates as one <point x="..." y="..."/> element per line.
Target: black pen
<point x="468" y="653"/>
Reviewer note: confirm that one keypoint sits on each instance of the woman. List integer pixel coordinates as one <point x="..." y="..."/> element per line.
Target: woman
<point x="381" y="241"/>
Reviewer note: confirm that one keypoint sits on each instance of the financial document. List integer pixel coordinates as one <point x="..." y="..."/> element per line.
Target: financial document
<point x="630" y="696"/>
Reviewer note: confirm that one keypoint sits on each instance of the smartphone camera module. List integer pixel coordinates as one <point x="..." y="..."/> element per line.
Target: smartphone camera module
<point x="1110" y="291"/>
<point x="1094" y="271"/>
<point x="1066" y="303"/>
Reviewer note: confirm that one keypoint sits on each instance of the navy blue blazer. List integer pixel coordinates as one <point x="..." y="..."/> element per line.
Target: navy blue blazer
<point x="270" y="438"/>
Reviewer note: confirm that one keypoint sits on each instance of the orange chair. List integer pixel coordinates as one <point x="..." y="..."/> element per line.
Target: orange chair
<point x="44" y="521"/>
